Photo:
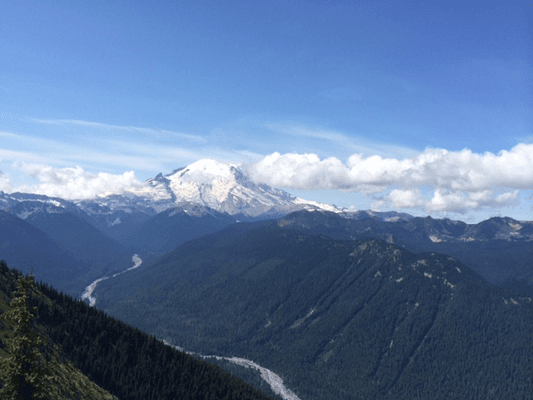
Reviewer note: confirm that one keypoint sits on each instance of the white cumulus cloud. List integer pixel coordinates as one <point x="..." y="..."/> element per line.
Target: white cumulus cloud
<point x="75" y="183"/>
<point x="405" y="198"/>
<point x="436" y="179"/>
<point x="5" y="182"/>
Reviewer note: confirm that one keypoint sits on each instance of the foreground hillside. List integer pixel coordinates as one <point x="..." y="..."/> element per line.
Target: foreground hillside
<point x="120" y="359"/>
<point x="70" y="382"/>
<point x="335" y="319"/>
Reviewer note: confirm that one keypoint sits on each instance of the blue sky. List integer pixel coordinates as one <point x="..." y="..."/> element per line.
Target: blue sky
<point x="422" y="107"/>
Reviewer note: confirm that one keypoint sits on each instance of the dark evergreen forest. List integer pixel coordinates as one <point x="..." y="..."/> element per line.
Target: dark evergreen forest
<point x="123" y="360"/>
<point x="336" y="319"/>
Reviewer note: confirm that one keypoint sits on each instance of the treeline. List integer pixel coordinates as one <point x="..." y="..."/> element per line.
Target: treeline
<point x="125" y="361"/>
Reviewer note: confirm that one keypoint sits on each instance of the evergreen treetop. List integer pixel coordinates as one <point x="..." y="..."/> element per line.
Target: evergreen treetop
<point x="25" y="373"/>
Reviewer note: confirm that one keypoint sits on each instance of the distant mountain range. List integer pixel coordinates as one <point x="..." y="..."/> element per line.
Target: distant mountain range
<point x="207" y="196"/>
<point x="499" y="249"/>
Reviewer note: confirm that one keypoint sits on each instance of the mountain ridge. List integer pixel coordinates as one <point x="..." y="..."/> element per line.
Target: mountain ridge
<point x="500" y="249"/>
<point x="222" y="187"/>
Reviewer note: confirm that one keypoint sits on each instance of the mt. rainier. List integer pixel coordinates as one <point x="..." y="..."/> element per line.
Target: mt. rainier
<point x="224" y="188"/>
<point x="205" y="186"/>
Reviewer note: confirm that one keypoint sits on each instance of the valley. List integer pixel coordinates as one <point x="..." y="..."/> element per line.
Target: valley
<point x="272" y="379"/>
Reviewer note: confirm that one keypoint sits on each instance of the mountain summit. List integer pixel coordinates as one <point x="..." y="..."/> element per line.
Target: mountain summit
<point x="224" y="188"/>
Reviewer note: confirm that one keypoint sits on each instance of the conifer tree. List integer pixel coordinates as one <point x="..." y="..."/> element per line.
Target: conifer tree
<point x="25" y="373"/>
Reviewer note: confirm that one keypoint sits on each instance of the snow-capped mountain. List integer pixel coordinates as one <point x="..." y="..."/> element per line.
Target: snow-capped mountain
<point x="221" y="187"/>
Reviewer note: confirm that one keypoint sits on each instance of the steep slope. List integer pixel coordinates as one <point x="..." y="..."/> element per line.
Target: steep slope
<point x="86" y="243"/>
<point x="27" y="248"/>
<point x="74" y="384"/>
<point x="170" y="228"/>
<point x="120" y="359"/>
<point x="336" y="319"/>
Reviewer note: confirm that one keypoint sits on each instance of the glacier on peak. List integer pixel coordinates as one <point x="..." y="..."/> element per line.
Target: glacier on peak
<point x="208" y="167"/>
<point x="224" y="188"/>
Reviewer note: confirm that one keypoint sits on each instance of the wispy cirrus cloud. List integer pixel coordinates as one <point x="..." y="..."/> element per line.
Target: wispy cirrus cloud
<point x="161" y="152"/>
<point x="17" y="155"/>
<point x="103" y="152"/>
<point x="54" y="152"/>
<point x="455" y="181"/>
<point x="125" y="128"/>
<point x="355" y="144"/>
<point x="72" y="167"/>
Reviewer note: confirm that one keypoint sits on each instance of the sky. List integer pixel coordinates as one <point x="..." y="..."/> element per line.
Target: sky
<point x="415" y="106"/>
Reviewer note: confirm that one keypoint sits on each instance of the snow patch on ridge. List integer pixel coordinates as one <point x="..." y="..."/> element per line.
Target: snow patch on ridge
<point x="435" y="239"/>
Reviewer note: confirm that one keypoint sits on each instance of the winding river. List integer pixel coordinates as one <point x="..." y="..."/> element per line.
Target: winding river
<point x="274" y="380"/>
<point x="88" y="292"/>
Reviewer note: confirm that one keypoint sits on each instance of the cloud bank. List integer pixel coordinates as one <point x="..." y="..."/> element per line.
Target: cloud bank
<point x="71" y="183"/>
<point x="435" y="180"/>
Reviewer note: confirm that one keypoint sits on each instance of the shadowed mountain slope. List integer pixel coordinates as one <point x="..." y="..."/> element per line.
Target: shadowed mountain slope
<point x="26" y="247"/>
<point x="336" y="319"/>
<point x="170" y="228"/>
<point x="85" y="242"/>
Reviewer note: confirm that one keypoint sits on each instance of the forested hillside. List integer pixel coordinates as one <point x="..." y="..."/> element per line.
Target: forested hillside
<point x="121" y="359"/>
<point x="30" y="365"/>
<point x="27" y="247"/>
<point x="336" y="319"/>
